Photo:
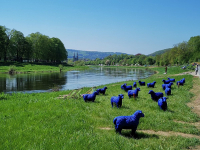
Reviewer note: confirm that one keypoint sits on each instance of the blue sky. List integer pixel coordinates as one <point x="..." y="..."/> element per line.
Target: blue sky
<point x="129" y="26"/>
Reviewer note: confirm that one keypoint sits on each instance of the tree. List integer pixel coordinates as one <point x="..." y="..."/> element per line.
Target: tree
<point x="34" y="39"/>
<point x="107" y="62"/>
<point x="2" y="40"/>
<point x="17" y="44"/>
<point x="57" y="50"/>
<point x="194" y="47"/>
<point x="5" y="33"/>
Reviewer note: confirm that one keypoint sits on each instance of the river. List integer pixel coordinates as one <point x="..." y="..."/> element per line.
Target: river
<point x="44" y="82"/>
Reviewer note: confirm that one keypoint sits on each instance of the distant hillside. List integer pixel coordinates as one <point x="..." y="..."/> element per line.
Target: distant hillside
<point x="159" y="52"/>
<point x="90" y="54"/>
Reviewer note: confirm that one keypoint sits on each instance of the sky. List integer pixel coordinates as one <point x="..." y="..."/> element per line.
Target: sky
<point x="128" y="26"/>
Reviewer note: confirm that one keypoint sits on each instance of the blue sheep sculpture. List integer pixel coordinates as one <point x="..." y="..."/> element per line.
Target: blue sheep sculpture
<point x="117" y="100"/>
<point x="155" y="96"/>
<point x="90" y="97"/>
<point x="162" y="103"/>
<point x="127" y="87"/>
<point x="103" y="90"/>
<point x="128" y="122"/>
<point x="123" y="85"/>
<point x="134" y="84"/>
<point x="171" y="79"/>
<point x="151" y="84"/>
<point x="167" y="91"/>
<point x="141" y="83"/>
<point x="181" y="82"/>
<point x="133" y="93"/>
<point x="164" y="86"/>
<point x="166" y="81"/>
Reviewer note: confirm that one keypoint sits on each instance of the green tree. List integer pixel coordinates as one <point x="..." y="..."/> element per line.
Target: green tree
<point x="17" y="44"/>
<point x="6" y="34"/>
<point x="2" y="40"/>
<point x="194" y="48"/>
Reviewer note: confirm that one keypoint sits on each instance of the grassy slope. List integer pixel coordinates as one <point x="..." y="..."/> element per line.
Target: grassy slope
<point x="41" y="121"/>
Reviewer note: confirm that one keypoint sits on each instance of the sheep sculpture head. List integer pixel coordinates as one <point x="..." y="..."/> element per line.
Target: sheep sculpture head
<point x="123" y="85"/>
<point x="151" y="91"/>
<point x="121" y="96"/>
<point x="162" y="103"/>
<point x="138" y="114"/>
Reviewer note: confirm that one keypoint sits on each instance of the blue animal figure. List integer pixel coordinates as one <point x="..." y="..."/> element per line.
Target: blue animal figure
<point x="134" y="84"/>
<point x="141" y="83"/>
<point x="171" y="79"/>
<point x="128" y="122"/>
<point x="166" y="81"/>
<point x="164" y="86"/>
<point x="151" y="84"/>
<point x="90" y="97"/>
<point x="155" y="96"/>
<point x="162" y="103"/>
<point x="181" y="82"/>
<point x="103" y="90"/>
<point x="167" y="91"/>
<point x="127" y="87"/>
<point x="123" y="85"/>
<point x="133" y="93"/>
<point x="117" y="100"/>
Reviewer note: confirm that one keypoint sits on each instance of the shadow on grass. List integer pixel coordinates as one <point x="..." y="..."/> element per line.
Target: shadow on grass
<point x="139" y="135"/>
<point x="3" y="98"/>
<point x="169" y="110"/>
<point x="125" y="107"/>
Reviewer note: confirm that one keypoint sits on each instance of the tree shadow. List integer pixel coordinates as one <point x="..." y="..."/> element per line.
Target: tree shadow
<point x="3" y="98"/>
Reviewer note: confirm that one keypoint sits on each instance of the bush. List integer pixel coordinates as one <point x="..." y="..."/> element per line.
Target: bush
<point x="12" y="69"/>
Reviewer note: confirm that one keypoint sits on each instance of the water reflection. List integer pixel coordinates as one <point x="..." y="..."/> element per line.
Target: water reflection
<point x="32" y="83"/>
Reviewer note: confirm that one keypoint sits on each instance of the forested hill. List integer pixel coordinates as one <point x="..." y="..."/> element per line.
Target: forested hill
<point x="90" y="54"/>
<point x="159" y="52"/>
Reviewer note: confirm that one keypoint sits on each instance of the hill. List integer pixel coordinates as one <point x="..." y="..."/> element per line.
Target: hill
<point x="90" y="54"/>
<point x="159" y="52"/>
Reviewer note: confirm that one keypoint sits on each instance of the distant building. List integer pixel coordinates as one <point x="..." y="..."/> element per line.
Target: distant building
<point x="75" y="58"/>
<point x="138" y="54"/>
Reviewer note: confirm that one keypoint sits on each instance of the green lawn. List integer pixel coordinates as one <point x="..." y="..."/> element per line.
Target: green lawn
<point x="42" y="121"/>
<point x="37" y="67"/>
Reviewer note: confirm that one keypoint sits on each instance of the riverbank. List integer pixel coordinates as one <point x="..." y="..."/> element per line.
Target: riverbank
<point x="37" y="67"/>
<point x="43" y="121"/>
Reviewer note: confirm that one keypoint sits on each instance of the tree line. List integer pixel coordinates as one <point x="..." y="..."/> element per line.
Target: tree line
<point x="36" y="47"/>
<point x="182" y="53"/>
<point x="122" y="59"/>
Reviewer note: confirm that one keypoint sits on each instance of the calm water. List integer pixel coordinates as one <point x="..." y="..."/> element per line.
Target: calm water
<point x="43" y="82"/>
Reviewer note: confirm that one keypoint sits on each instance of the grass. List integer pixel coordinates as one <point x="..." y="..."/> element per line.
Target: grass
<point x="37" y="67"/>
<point x="42" y="121"/>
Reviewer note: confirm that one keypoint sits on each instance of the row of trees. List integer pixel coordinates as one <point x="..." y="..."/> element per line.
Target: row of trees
<point x="182" y="53"/>
<point x="35" y="46"/>
<point x="122" y="59"/>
